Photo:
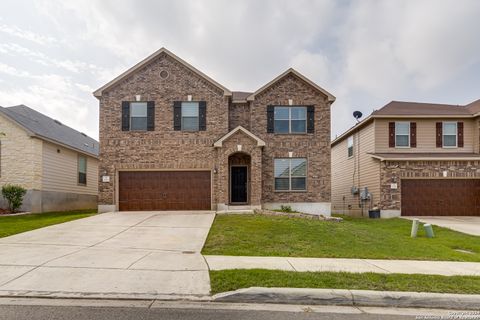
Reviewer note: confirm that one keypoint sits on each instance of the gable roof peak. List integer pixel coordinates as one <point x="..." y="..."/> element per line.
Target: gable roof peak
<point x="330" y="97"/>
<point x="98" y="93"/>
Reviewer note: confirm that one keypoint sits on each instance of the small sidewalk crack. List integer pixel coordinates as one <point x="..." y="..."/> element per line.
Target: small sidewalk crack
<point x="291" y="265"/>
<point x="373" y="264"/>
<point x="144" y="256"/>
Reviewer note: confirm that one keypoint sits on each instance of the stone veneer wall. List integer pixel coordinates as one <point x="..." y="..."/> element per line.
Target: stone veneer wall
<point x="396" y="170"/>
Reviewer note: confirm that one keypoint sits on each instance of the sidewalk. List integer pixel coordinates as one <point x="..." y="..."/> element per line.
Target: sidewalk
<point x="445" y="268"/>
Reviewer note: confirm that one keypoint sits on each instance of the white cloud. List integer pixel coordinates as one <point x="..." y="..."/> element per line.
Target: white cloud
<point x="27" y="35"/>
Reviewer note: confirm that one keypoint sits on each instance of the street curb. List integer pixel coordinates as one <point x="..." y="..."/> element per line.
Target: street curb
<point x="351" y="298"/>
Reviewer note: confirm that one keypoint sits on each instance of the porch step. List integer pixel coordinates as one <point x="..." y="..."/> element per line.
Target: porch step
<point x="238" y="209"/>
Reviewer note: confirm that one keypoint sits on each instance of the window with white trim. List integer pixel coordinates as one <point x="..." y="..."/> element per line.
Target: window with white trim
<point x="290" y="174"/>
<point x="402" y="134"/>
<point x="290" y="119"/>
<point x="350" y="146"/>
<point x="449" y="134"/>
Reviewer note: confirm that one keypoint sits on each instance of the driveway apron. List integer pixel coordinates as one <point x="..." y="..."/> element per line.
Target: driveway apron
<point x="117" y="255"/>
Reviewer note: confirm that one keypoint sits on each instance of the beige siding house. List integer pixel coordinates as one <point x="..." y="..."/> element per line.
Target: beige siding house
<point x="409" y="159"/>
<point x="56" y="164"/>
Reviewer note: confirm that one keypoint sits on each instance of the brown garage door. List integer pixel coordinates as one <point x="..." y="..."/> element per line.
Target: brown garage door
<point x="164" y="190"/>
<point x="441" y="197"/>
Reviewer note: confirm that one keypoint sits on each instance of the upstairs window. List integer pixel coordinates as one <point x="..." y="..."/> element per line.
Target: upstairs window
<point x="138" y="116"/>
<point x="402" y="134"/>
<point x="190" y="116"/>
<point x="350" y="146"/>
<point x="290" y="119"/>
<point x="290" y="174"/>
<point x="82" y="170"/>
<point x="449" y="134"/>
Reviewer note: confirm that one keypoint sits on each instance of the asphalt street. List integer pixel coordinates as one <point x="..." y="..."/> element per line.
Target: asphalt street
<point x="91" y="313"/>
<point x="53" y="309"/>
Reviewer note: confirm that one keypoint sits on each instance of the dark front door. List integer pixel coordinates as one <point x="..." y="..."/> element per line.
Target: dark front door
<point x="238" y="184"/>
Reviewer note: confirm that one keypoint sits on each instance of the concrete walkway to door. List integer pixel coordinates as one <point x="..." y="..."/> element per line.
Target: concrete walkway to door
<point x="465" y="224"/>
<point x="112" y="255"/>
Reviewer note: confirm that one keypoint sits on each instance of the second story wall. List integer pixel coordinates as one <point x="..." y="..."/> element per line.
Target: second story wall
<point x="313" y="146"/>
<point x="426" y="136"/>
<point x="239" y="115"/>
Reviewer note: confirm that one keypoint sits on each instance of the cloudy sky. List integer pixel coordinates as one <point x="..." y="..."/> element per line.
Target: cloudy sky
<point x="53" y="54"/>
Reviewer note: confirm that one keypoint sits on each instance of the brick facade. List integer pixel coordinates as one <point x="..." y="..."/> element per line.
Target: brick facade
<point x="395" y="171"/>
<point x="166" y="149"/>
<point x="313" y="146"/>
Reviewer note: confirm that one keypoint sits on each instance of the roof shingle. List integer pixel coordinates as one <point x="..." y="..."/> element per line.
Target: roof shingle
<point x="46" y="127"/>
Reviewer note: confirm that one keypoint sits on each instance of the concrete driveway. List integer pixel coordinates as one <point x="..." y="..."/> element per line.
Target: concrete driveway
<point x="123" y="254"/>
<point x="469" y="225"/>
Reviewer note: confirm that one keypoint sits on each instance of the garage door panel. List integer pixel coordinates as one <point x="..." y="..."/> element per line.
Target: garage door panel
<point x="164" y="190"/>
<point x="443" y="197"/>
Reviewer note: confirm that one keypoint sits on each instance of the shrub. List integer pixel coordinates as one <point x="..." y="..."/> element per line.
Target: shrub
<point x="14" y="196"/>
<point x="287" y="209"/>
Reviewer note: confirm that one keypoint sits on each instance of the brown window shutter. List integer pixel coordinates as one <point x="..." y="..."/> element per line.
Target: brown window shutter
<point x="391" y="134"/>
<point x="310" y="119"/>
<point x="150" y="115"/>
<point x="177" y="115"/>
<point x="270" y="119"/>
<point x="413" y="134"/>
<point x="125" y="116"/>
<point x="439" y="139"/>
<point x="460" y="134"/>
<point x="202" y="113"/>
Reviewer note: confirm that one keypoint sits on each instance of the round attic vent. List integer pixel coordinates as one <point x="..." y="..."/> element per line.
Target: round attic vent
<point x="164" y="74"/>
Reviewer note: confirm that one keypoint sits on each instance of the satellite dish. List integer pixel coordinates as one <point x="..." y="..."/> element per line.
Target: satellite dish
<point x="357" y="115"/>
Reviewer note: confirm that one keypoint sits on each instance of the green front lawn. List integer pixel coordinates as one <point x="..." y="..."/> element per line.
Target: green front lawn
<point x="229" y="280"/>
<point x="11" y="225"/>
<point x="260" y="235"/>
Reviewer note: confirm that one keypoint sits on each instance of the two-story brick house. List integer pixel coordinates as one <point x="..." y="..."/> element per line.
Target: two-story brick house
<point x="172" y="138"/>
<point x="414" y="159"/>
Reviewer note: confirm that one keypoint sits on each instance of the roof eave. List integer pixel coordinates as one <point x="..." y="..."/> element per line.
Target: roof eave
<point x="38" y="136"/>
<point x="433" y="158"/>
<point x="387" y="116"/>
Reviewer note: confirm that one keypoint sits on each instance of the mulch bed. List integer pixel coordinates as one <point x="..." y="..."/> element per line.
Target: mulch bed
<point x="4" y="211"/>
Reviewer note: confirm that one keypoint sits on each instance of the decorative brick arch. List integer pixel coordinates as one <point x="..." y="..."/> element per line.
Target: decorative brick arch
<point x="239" y="142"/>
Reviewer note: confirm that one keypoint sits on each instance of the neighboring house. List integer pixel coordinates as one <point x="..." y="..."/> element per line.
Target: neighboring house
<point x="171" y="138"/>
<point x="413" y="158"/>
<point x="56" y="164"/>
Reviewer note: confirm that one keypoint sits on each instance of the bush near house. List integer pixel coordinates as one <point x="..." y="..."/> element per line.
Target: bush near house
<point x="14" y="195"/>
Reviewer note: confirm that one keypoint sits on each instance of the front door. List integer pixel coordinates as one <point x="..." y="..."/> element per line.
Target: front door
<point x="238" y="184"/>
